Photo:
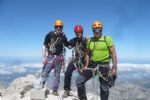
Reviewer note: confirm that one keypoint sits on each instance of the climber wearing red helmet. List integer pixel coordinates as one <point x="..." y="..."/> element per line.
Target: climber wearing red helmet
<point x="78" y="44"/>
<point x="78" y="31"/>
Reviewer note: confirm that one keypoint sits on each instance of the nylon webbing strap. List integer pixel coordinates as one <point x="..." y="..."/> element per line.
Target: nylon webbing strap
<point x="107" y="46"/>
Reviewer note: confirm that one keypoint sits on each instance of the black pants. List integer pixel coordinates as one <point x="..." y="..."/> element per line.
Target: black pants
<point x="68" y="74"/>
<point x="86" y="75"/>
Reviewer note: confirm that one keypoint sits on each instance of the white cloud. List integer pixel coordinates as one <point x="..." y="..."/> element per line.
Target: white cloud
<point x="22" y="68"/>
<point x="19" y="69"/>
<point x="32" y="65"/>
<point x="132" y="67"/>
<point x="5" y="72"/>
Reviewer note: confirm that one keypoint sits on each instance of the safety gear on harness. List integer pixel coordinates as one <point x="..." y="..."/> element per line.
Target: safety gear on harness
<point x="97" y="24"/>
<point x="51" y="45"/>
<point x="58" y="23"/>
<point x="78" y="29"/>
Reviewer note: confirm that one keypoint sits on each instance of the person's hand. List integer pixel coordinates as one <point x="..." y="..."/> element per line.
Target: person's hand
<point x="44" y="60"/>
<point x="84" y="68"/>
<point x="63" y="68"/>
<point x="114" y="70"/>
<point x="69" y="47"/>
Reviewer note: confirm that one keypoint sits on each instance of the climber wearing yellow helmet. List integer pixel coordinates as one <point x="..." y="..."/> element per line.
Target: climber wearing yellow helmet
<point x="100" y="51"/>
<point x="52" y="54"/>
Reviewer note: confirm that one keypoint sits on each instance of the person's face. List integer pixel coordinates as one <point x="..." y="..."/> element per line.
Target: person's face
<point x="78" y="35"/>
<point x="58" y="29"/>
<point x="97" y="32"/>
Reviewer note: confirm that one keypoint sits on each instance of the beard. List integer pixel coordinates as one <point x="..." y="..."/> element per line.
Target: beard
<point x="97" y="35"/>
<point x="58" y="32"/>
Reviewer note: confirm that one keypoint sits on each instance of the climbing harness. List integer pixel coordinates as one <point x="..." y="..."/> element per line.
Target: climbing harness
<point x="106" y="76"/>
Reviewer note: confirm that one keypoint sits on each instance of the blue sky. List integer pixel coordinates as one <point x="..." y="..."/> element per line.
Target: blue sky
<point x="24" y="24"/>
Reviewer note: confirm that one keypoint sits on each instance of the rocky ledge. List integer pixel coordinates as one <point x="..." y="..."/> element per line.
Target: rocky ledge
<point x="22" y="89"/>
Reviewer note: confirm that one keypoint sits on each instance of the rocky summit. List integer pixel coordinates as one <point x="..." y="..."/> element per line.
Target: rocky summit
<point x="23" y="89"/>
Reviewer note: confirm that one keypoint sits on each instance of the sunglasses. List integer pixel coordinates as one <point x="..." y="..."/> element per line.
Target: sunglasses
<point x="78" y="32"/>
<point x="58" y="26"/>
<point x="97" y="30"/>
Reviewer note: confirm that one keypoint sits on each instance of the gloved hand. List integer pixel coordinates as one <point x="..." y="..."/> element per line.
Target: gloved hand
<point x="113" y="76"/>
<point x="114" y="70"/>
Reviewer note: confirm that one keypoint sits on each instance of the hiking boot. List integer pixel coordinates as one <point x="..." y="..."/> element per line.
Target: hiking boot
<point x="66" y="94"/>
<point x="55" y="92"/>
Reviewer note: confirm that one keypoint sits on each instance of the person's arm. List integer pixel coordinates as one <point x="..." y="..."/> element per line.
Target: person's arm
<point x="66" y="43"/>
<point x="87" y="58"/>
<point x="87" y="54"/>
<point x="71" y="43"/>
<point x="44" y="54"/>
<point x="114" y="59"/>
<point x="44" y="48"/>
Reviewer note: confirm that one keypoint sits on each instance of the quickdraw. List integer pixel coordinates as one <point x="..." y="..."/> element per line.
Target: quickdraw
<point x="78" y="55"/>
<point x="78" y="65"/>
<point x="78" y="50"/>
<point x="51" y="45"/>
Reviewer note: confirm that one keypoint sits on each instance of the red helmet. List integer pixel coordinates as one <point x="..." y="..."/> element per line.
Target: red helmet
<point x="78" y="29"/>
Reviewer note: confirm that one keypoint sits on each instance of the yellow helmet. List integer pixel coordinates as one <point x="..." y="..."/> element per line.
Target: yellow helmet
<point x="58" y="23"/>
<point x="97" y="24"/>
